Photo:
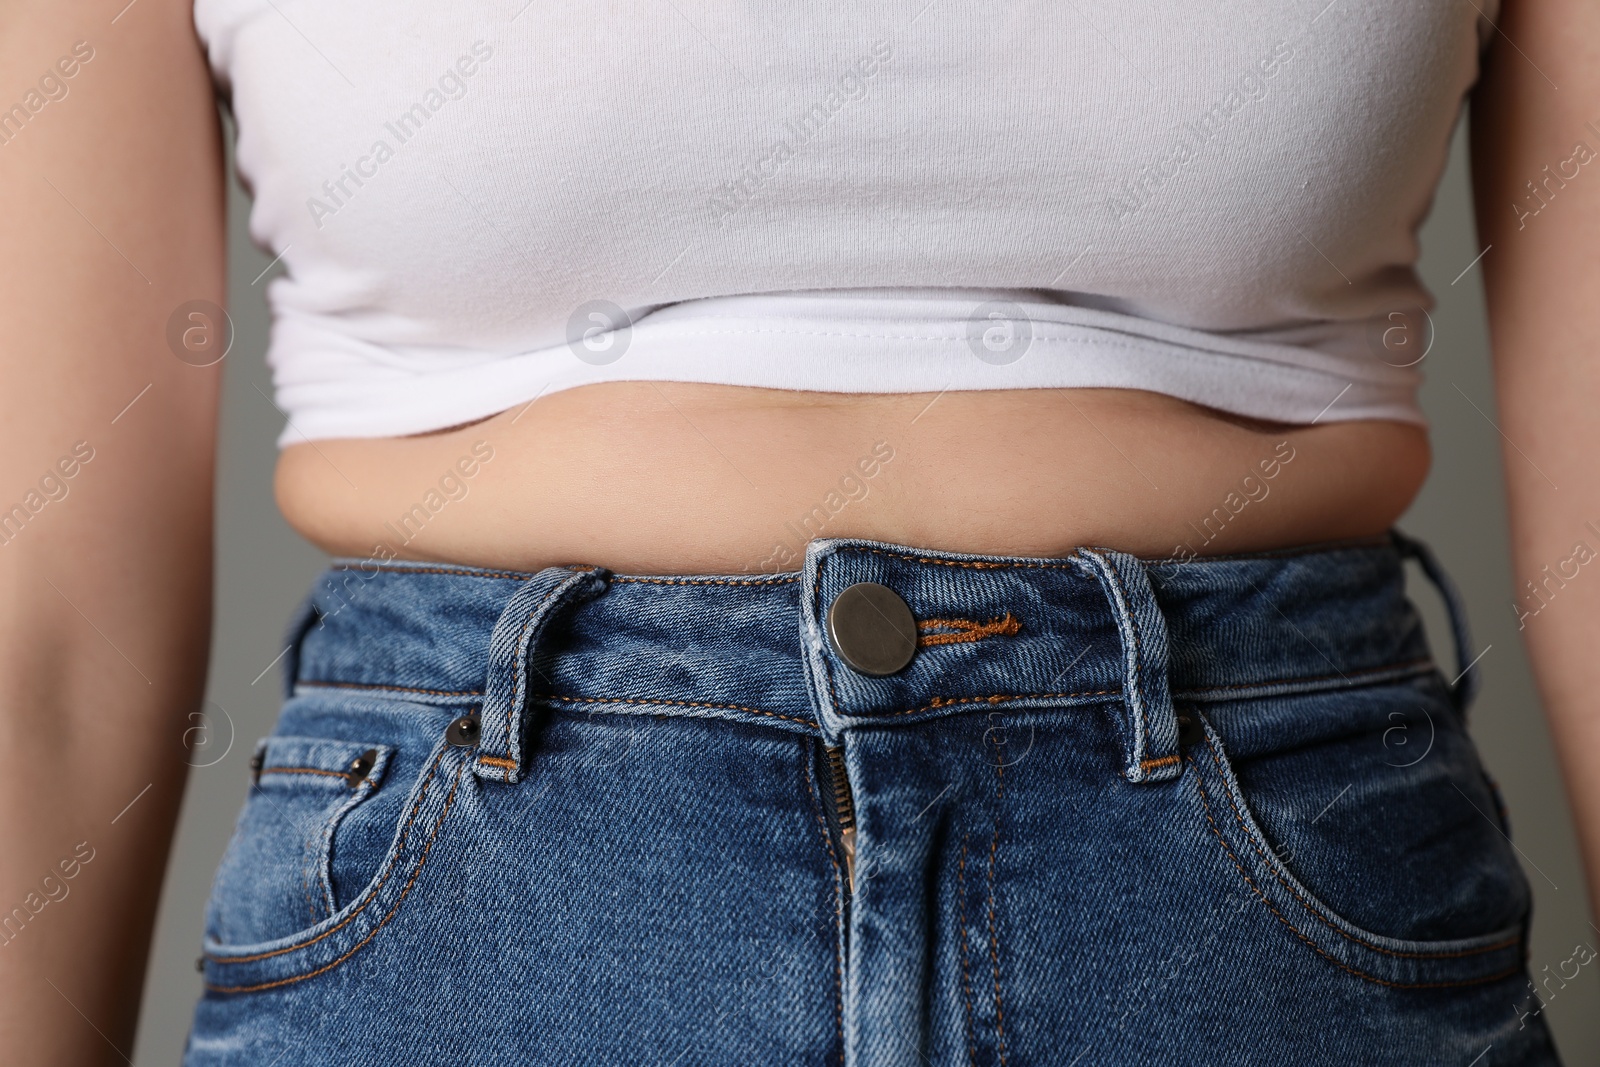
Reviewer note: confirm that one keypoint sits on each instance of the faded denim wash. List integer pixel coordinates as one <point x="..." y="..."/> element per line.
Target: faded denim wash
<point x="1115" y="811"/>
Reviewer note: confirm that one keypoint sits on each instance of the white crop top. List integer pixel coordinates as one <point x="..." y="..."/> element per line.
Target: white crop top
<point x="482" y="201"/>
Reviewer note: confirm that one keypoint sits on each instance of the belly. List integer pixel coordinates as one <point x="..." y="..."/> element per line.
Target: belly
<point x="659" y="478"/>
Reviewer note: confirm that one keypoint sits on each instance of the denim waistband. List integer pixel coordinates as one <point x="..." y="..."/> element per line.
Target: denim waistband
<point x="1095" y="627"/>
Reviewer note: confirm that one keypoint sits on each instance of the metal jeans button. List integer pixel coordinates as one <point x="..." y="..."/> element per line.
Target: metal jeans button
<point x="360" y="767"/>
<point x="1190" y="730"/>
<point x="463" y="733"/>
<point x="872" y="629"/>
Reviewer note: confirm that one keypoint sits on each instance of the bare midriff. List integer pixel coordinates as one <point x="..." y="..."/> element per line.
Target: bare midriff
<point x="688" y="478"/>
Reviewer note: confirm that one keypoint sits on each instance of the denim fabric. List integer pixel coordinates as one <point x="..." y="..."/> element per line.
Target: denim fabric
<point x="1114" y="811"/>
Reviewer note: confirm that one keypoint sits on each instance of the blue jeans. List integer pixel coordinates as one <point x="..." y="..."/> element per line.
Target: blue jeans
<point x="1113" y="811"/>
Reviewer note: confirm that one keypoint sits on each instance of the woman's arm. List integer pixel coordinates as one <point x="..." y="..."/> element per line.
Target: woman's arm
<point x="111" y="196"/>
<point x="1536" y="119"/>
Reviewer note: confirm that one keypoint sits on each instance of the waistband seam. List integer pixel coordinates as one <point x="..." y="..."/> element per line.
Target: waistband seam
<point x="1382" y="540"/>
<point x="522" y="576"/>
<point x="329" y="684"/>
<point x="1070" y="562"/>
<point x="1266" y="686"/>
<point x="673" y="703"/>
<point x="1313" y="684"/>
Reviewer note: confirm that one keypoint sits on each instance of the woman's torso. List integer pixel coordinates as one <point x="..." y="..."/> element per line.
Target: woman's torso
<point x="691" y="478"/>
<point x="1216" y="209"/>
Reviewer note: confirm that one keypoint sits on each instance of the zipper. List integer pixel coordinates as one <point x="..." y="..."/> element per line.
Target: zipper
<point x="844" y="814"/>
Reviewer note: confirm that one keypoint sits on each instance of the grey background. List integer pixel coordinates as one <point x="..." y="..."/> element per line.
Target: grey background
<point x="264" y="567"/>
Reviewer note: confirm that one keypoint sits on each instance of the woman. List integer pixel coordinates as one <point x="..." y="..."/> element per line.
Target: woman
<point x="859" y="538"/>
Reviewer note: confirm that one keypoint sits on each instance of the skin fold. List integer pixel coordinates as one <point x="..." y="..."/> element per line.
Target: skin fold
<point x="677" y="477"/>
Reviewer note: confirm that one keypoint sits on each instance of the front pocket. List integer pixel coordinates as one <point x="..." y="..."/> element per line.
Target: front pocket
<point x="276" y="876"/>
<point x="1395" y="872"/>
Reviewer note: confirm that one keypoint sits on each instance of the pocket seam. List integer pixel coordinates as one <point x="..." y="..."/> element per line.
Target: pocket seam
<point x="1315" y="912"/>
<point x="394" y="910"/>
<point x="315" y="876"/>
<point x="303" y="770"/>
<point x="373" y="890"/>
<point x="321" y="860"/>
<point x="1508" y="972"/>
<point x="300" y="762"/>
<point x="311" y="848"/>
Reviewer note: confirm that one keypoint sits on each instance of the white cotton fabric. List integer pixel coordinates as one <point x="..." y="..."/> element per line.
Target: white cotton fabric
<point x="480" y="203"/>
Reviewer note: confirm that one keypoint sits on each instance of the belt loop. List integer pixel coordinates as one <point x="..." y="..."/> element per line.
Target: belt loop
<point x="820" y="554"/>
<point x="1465" y="687"/>
<point x="505" y="697"/>
<point x="1152" y="724"/>
<point x="329" y="595"/>
<point x="306" y="615"/>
